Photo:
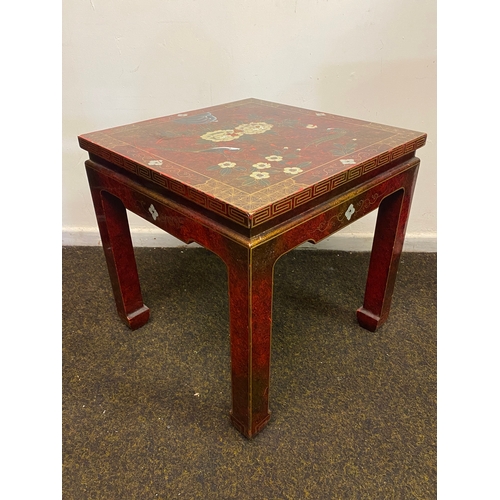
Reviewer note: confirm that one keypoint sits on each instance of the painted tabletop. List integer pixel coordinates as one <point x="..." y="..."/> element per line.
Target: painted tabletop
<point x="252" y="160"/>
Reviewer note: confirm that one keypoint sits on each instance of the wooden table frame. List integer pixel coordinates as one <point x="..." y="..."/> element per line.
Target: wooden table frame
<point x="250" y="255"/>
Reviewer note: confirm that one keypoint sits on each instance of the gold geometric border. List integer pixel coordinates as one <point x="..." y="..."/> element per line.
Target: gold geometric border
<point x="327" y="185"/>
<point x="279" y="207"/>
<point x="187" y="192"/>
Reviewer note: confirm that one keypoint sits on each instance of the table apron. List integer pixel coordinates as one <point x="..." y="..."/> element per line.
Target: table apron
<point x="182" y="222"/>
<point x="334" y="215"/>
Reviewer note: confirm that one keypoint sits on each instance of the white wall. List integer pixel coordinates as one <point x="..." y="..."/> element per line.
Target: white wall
<point x="125" y="61"/>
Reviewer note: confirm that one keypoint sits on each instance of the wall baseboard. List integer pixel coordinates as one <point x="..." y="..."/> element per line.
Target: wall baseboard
<point x="349" y="242"/>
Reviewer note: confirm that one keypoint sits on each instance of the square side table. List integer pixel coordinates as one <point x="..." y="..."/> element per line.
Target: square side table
<point x="251" y="180"/>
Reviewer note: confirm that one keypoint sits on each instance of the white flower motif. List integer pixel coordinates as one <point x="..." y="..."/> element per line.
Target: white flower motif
<point x="292" y="170"/>
<point x="261" y="165"/>
<point x="349" y="212"/>
<point x="254" y="127"/>
<point x="227" y="164"/>
<point x="221" y="135"/>
<point x="153" y="212"/>
<point x="259" y="175"/>
<point x="155" y="162"/>
<point x="348" y="162"/>
<point x="311" y="126"/>
<point x="274" y="158"/>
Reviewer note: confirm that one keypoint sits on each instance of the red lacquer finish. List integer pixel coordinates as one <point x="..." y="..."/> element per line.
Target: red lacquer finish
<point x="117" y="245"/>
<point x="250" y="181"/>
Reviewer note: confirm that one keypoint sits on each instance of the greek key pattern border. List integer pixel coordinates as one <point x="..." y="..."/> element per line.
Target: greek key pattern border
<point x="278" y="208"/>
<point x="187" y="192"/>
<point x="327" y="185"/>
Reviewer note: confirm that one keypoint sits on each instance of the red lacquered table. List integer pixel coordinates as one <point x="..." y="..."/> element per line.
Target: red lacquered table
<point x="251" y="180"/>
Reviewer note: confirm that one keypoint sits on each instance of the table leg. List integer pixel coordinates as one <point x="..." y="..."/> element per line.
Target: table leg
<point x="117" y="244"/>
<point x="250" y="276"/>
<point x="386" y="251"/>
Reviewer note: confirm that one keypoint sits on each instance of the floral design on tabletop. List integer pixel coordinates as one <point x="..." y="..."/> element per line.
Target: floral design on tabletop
<point x="292" y="170"/>
<point x="289" y="156"/>
<point x="254" y="128"/>
<point x="260" y="175"/>
<point x="226" y="167"/>
<point x="261" y="165"/>
<point x="222" y="135"/>
<point x="251" y="128"/>
<point x="257" y="178"/>
<point x="227" y="164"/>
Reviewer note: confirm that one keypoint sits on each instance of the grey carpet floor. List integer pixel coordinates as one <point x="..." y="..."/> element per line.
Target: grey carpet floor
<point x="145" y="413"/>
